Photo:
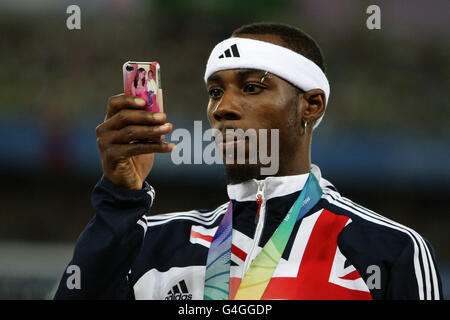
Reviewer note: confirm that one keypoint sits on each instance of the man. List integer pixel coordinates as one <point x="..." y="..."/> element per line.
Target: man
<point x="286" y="236"/>
<point x="152" y="89"/>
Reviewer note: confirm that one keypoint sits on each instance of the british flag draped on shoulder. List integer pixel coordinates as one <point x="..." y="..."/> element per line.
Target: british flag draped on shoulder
<point x="336" y="250"/>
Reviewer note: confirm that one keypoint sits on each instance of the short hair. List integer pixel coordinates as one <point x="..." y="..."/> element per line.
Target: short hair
<point x="293" y="38"/>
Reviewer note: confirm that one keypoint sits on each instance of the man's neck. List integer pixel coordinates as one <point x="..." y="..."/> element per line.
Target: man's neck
<point x="240" y="173"/>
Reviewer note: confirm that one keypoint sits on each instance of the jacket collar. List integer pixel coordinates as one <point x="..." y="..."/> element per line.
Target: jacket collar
<point x="273" y="186"/>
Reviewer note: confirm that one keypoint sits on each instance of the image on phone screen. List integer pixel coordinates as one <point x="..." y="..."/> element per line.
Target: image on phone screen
<point x="141" y="79"/>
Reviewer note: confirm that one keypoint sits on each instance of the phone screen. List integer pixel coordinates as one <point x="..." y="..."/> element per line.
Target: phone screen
<point x="142" y="79"/>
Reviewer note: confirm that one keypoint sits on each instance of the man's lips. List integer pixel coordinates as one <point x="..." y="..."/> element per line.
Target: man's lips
<point x="228" y="139"/>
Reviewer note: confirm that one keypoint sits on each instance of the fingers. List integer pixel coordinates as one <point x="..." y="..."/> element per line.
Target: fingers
<point x="132" y="133"/>
<point x="126" y="117"/>
<point x="124" y="110"/>
<point x="117" y="145"/>
<point x="113" y="155"/>
<point x="129" y="129"/>
<point x="122" y="101"/>
<point x="128" y="150"/>
<point x="142" y="148"/>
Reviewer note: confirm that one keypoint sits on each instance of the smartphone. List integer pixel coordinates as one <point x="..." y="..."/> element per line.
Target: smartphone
<point x="143" y="79"/>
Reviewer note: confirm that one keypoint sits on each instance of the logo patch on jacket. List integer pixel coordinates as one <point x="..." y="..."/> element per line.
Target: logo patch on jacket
<point x="179" y="292"/>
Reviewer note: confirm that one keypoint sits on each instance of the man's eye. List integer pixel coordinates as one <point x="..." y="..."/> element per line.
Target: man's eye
<point x="215" y="93"/>
<point x="252" y="88"/>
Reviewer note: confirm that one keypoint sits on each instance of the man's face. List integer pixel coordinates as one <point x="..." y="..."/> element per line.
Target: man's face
<point x="238" y="99"/>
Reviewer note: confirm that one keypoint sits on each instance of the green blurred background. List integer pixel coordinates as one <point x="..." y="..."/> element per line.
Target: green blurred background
<point x="383" y="142"/>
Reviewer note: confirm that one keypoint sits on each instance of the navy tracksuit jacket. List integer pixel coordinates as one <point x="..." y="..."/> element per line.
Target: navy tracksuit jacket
<point x="339" y="250"/>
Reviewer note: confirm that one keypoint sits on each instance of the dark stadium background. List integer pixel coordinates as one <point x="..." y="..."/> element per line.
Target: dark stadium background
<point x="384" y="141"/>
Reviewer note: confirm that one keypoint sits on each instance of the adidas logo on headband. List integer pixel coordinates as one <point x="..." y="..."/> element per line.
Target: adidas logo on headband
<point x="233" y="53"/>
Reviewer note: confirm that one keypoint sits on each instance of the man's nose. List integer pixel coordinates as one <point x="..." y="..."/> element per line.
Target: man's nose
<point x="228" y="108"/>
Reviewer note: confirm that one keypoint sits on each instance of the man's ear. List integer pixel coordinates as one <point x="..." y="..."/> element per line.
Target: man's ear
<point x="315" y="105"/>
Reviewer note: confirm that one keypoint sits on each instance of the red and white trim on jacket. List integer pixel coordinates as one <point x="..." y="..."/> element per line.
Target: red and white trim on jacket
<point x="427" y="283"/>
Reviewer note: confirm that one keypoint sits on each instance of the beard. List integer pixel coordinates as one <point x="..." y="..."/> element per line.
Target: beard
<point x="250" y="168"/>
<point x="246" y="165"/>
<point x="239" y="173"/>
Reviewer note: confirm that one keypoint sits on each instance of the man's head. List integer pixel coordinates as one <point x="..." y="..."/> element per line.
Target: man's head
<point x="291" y="37"/>
<point x="251" y="98"/>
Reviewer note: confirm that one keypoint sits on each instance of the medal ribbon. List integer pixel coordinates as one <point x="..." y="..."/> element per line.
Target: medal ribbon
<point x="260" y="272"/>
<point x="217" y="277"/>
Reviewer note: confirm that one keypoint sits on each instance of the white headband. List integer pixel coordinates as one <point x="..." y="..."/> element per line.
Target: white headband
<point x="244" y="53"/>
